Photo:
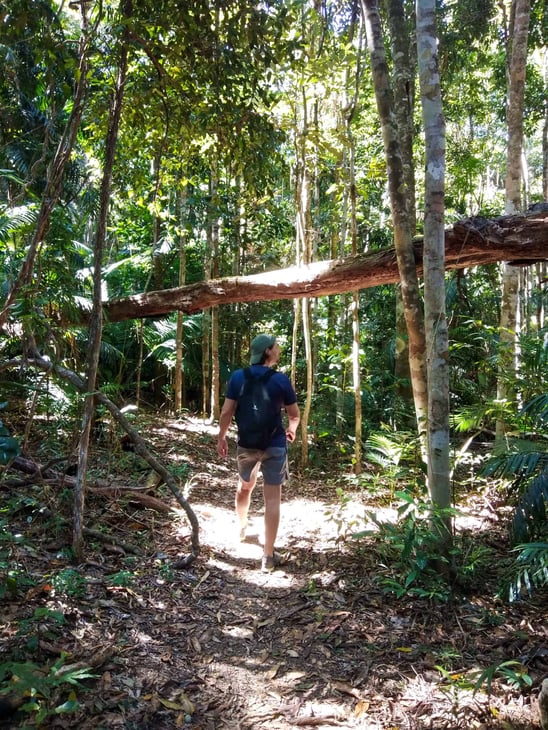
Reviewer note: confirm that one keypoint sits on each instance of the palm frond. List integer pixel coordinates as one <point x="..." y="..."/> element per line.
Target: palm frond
<point x="530" y="570"/>
<point x="529" y="520"/>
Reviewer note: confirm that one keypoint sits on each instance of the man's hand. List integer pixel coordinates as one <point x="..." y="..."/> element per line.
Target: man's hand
<point x="222" y="447"/>
<point x="294" y="416"/>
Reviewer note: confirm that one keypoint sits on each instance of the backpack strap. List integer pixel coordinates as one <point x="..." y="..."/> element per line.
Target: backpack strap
<point x="264" y="378"/>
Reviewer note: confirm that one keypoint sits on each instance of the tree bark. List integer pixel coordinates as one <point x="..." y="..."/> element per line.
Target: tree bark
<point x="399" y="201"/>
<point x="437" y="338"/>
<point x="509" y="311"/>
<point x="521" y="239"/>
<point x="96" y="328"/>
<point x="404" y="61"/>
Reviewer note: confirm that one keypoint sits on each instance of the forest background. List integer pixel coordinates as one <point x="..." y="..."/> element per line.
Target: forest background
<point x="148" y="147"/>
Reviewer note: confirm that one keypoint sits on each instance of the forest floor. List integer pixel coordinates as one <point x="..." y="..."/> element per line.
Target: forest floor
<point x="317" y="643"/>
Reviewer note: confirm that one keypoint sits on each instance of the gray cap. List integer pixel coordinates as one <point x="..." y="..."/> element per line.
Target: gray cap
<point x="258" y="346"/>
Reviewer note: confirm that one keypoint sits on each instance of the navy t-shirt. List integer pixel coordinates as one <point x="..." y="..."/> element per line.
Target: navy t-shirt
<point x="279" y="389"/>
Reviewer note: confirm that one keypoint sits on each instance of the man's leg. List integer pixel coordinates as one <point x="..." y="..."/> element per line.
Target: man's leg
<point x="272" y="499"/>
<point x="249" y="467"/>
<point x="243" y="500"/>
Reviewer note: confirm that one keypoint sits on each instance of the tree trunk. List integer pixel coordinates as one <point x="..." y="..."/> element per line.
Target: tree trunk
<point x="437" y="340"/>
<point x="303" y="204"/>
<point x="400" y="212"/>
<point x="141" y="448"/>
<point x="521" y="239"/>
<point x="509" y="313"/>
<point x="179" y="344"/>
<point x="214" y="225"/>
<point x="403" y="46"/>
<point x="96" y="325"/>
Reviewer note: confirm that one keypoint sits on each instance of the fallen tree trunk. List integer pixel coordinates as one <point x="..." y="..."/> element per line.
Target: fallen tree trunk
<point x="519" y="239"/>
<point x="39" y="472"/>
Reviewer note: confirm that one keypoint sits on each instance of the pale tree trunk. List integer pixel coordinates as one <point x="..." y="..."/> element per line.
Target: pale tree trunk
<point x="403" y="50"/>
<point x="356" y="340"/>
<point x="337" y="310"/>
<point x="139" y="371"/>
<point x="179" y="342"/>
<point x="349" y="107"/>
<point x="509" y="312"/>
<point x="56" y="169"/>
<point x="157" y="265"/>
<point x="545" y="132"/>
<point x="304" y="253"/>
<point x="214" y="224"/>
<point x="206" y="325"/>
<point x="437" y="340"/>
<point x="357" y="382"/>
<point x="96" y="325"/>
<point x="295" y="339"/>
<point x="400" y="213"/>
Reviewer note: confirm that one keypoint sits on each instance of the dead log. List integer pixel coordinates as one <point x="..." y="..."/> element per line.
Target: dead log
<point x="518" y="239"/>
<point x="40" y="472"/>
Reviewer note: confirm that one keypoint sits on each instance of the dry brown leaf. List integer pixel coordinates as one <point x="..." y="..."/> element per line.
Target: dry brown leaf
<point x="273" y="671"/>
<point x="361" y="708"/>
<point x="347" y="689"/>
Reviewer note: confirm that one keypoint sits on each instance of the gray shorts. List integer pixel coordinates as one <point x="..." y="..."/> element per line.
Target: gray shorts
<point x="272" y="463"/>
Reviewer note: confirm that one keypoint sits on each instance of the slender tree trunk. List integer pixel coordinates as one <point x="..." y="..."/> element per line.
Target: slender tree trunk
<point x="400" y="212"/>
<point x="304" y="224"/>
<point x="179" y="344"/>
<point x="545" y="133"/>
<point x="214" y="223"/>
<point x="437" y="339"/>
<point x="357" y="381"/>
<point x="403" y="47"/>
<point x="509" y="313"/>
<point x="356" y="339"/>
<point x="96" y="325"/>
<point x="139" y="372"/>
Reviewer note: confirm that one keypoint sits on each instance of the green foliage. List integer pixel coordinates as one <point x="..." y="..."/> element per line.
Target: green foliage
<point x="48" y="690"/>
<point x="530" y="570"/>
<point x="68" y="582"/>
<point x="510" y="671"/>
<point x="523" y="461"/>
<point x="410" y="550"/>
<point x="121" y="579"/>
<point x="13" y="576"/>
<point x="9" y="446"/>
<point x="396" y="452"/>
<point x="529" y="520"/>
<point x="45" y="622"/>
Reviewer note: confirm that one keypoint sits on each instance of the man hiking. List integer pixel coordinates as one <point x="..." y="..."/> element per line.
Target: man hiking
<point x="255" y="396"/>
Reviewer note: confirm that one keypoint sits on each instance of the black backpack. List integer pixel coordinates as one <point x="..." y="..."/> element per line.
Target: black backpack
<point x="256" y="416"/>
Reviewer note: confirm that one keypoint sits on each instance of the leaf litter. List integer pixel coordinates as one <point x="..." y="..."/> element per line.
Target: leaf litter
<point x="316" y="643"/>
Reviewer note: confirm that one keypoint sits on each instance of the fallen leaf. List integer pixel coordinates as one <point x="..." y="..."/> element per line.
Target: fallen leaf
<point x="347" y="689"/>
<point x="273" y="672"/>
<point x="361" y="708"/>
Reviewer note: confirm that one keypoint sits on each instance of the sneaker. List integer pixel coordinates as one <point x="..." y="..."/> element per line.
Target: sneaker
<point x="268" y="563"/>
<point x="243" y="531"/>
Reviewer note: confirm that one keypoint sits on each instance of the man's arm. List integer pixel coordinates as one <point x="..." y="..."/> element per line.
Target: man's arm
<point x="225" y="419"/>
<point x="294" y="418"/>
